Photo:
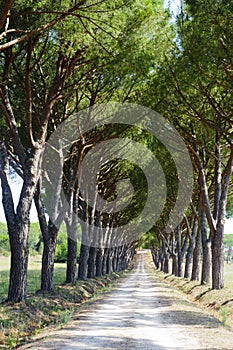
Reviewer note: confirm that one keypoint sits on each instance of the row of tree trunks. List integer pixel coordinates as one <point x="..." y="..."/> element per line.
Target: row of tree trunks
<point x="215" y="214"/>
<point x="204" y="248"/>
<point x="193" y="251"/>
<point x="96" y="262"/>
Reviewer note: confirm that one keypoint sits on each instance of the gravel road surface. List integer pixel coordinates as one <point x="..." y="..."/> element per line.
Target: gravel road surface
<point x="141" y="313"/>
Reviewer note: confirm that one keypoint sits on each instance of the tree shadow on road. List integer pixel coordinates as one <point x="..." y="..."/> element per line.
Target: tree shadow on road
<point x="103" y="342"/>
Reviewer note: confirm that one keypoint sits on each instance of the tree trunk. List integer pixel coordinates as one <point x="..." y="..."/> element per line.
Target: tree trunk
<point x="217" y="258"/>
<point x="71" y="261"/>
<point x="99" y="262"/>
<point x="166" y="262"/>
<point x="196" y="257"/>
<point x="131" y="256"/>
<point x="115" y="259"/>
<point x="49" y="232"/>
<point x="91" y="271"/>
<point x="206" y="264"/>
<point x="221" y="189"/>
<point x="17" y="291"/>
<point x="48" y="258"/>
<point x="105" y="259"/>
<point x="206" y="249"/>
<point x="83" y="262"/>
<point x="161" y="259"/>
<point x="179" y="253"/>
<point x="174" y="264"/>
<point x="229" y="255"/>
<point x="155" y="257"/>
<point x="110" y="261"/>
<point x="123" y="258"/>
<point x="218" y="234"/>
<point x="18" y="222"/>
<point x="219" y="215"/>
<point x="189" y="255"/>
<point x="119" y="259"/>
<point x="174" y="256"/>
<point x="72" y="228"/>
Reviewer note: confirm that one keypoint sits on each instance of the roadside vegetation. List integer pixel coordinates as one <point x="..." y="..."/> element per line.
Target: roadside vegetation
<point x="218" y="303"/>
<point x="20" y="322"/>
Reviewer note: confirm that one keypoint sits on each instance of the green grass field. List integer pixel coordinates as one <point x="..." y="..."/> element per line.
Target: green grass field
<point x="33" y="274"/>
<point x="229" y="275"/>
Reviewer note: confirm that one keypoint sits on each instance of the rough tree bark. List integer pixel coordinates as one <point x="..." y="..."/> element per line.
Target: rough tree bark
<point x="71" y="260"/>
<point x="206" y="249"/>
<point x="91" y="270"/>
<point x="154" y="252"/>
<point x="47" y="270"/>
<point x="99" y="262"/>
<point x="166" y="261"/>
<point x="105" y="260"/>
<point x="71" y="222"/>
<point x="110" y="261"/>
<point x="72" y="228"/>
<point x="161" y="259"/>
<point x="18" y="222"/>
<point x="83" y="262"/>
<point x="115" y="258"/>
<point x="195" y="276"/>
<point x="189" y="255"/>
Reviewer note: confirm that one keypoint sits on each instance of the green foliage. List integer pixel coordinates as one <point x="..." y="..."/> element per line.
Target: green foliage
<point x="228" y="240"/>
<point x="230" y="205"/>
<point x="149" y="240"/>
<point x="61" y="247"/>
<point x="64" y="316"/>
<point x="11" y="341"/>
<point x="34" y="236"/>
<point x="4" y="240"/>
<point x="4" y="244"/>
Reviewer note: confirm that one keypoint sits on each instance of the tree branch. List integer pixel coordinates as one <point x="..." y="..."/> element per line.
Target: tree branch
<point x="48" y="25"/>
<point x="8" y="112"/>
<point x="29" y="95"/>
<point x="4" y="14"/>
<point x="7" y="198"/>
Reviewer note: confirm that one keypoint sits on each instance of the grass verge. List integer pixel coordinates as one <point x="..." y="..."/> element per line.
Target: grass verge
<point x="218" y="303"/>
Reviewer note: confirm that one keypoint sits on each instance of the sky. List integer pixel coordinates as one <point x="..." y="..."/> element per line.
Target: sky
<point x="16" y="186"/>
<point x="173" y="5"/>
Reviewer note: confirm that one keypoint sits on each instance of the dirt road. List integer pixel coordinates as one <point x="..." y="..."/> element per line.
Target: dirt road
<point x="141" y="313"/>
